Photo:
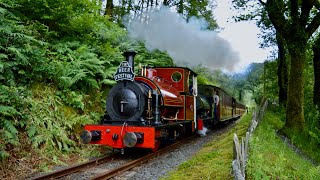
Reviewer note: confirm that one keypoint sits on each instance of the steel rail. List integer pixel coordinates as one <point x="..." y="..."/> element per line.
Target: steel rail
<point x="112" y="173"/>
<point x="76" y="168"/>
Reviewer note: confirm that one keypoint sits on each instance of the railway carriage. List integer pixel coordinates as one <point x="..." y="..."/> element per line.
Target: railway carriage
<point x="228" y="108"/>
<point x="159" y="105"/>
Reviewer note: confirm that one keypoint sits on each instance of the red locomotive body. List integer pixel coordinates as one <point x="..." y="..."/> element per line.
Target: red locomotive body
<point x="161" y="104"/>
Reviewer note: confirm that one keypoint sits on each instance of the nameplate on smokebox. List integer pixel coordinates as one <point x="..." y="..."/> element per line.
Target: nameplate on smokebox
<point x="124" y="72"/>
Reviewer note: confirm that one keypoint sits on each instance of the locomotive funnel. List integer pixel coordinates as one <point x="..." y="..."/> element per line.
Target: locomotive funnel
<point x="130" y="57"/>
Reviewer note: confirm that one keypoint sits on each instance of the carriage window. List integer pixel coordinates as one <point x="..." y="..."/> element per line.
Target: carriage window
<point x="176" y="76"/>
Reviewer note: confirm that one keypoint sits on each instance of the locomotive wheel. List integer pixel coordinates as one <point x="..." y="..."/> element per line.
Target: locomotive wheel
<point x="188" y="129"/>
<point x="157" y="145"/>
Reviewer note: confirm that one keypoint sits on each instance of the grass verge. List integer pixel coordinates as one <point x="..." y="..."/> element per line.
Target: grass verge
<point x="213" y="161"/>
<point x="270" y="158"/>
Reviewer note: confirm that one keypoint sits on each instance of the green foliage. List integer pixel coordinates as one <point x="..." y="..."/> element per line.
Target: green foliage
<point x="13" y="114"/>
<point x="201" y="9"/>
<point x="205" y="75"/>
<point x="271" y="158"/>
<point x="66" y="44"/>
<point x="19" y="47"/>
<point x="186" y="8"/>
<point x="311" y="112"/>
<point x="52" y="124"/>
<point x="56" y="14"/>
<point x="72" y="99"/>
<point x="314" y="172"/>
<point x="78" y="66"/>
<point x="155" y="58"/>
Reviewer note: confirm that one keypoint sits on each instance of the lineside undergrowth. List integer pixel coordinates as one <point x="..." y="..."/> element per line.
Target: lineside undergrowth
<point x="271" y="158"/>
<point x="213" y="161"/>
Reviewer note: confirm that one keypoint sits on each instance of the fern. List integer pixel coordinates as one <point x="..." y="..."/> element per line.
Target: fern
<point x="9" y="126"/>
<point x="108" y="82"/>
<point x="51" y="129"/>
<point x="10" y="134"/>
<point x="92" y="83"/>
<point x="315" y="135"/>
<point x="13" y="115"/>
<point x="3" y="154"/>
<point x="8" y="111"/>
<point x="81" y="66"/>
<point x="31" y="131"/>
<point x="75" y="77"/>
<point x="314" y="173"/>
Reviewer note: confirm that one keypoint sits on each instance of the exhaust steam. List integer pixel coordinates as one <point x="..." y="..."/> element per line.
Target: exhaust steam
<point x="187" y="43"/>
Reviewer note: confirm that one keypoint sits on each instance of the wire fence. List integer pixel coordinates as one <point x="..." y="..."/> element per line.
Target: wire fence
<point x="240" y="149"/>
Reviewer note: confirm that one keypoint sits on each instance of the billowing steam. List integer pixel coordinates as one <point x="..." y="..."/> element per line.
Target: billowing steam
<point x="203" y="132"/>
<point x="185" y="42"/>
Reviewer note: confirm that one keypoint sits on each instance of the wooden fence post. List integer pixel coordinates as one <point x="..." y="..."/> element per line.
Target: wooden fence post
<point x="240" y="150"/>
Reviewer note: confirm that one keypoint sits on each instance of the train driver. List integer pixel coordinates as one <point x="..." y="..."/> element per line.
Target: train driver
<point x="215" y="103"/>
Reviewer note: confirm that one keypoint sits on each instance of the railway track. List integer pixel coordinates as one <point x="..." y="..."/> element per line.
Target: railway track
<point x="76" y="168"/>
<point x="107" y="174"/>
<point x="117" y="171"/>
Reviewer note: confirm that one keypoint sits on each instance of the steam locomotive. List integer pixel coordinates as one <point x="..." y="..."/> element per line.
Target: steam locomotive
<point x="160" y="105"/>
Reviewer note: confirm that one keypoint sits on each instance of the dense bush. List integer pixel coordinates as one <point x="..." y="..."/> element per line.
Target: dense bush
<point x="49" y="61"/>
<point x="57" y="63"/>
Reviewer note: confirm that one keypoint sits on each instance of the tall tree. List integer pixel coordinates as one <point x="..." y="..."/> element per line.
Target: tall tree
<point x="316" y="65"/>
<point x="109" y="8"/>
<point x="282" y="70"/>
<point x="294" y="22"/>
<point x="166" y="2"/>
<point x="180" y="7"/>
<point x="201" y="9"/>
<point x="254" y="80"/>
<point x="270" y="38"/>
<point x="187" y="9"/>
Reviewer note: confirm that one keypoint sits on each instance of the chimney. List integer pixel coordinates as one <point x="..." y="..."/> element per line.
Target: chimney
<point x="130" y="58"/>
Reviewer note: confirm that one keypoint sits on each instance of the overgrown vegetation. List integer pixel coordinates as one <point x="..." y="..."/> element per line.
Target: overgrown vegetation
<point x="292" y="26"/>
<point x="272" y="158"/>
<point x="57" y="60"/>
<point x="213" y="161"/>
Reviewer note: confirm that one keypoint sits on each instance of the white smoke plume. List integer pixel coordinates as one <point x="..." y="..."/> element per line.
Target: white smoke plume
<point x="203" y="132"/>
<point x="185" y="42"/>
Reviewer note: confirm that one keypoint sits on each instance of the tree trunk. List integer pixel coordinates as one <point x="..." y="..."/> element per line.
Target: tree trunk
<point x="282" y="70"/>
<point x="316" y="66"/>
<point x="240" y="95"/>
<point x="109" y="8"/>
<point x="295" y="113"/>
<point x="148" y="1"/>
<point x="130" y="6"/>
<point x="123" y="8"/>
<point x="180" y="7"/>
